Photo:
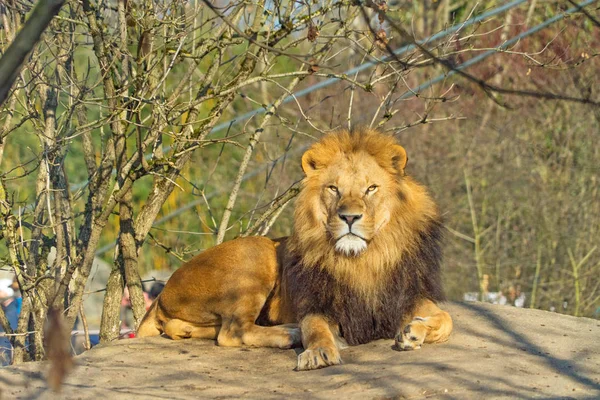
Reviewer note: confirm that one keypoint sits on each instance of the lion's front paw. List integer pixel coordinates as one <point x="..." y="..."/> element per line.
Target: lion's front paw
<point x="413" y="335"/>
<point x="318" y="358"/>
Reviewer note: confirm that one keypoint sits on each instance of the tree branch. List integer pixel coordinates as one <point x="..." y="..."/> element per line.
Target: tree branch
<point x="15" y="55"/>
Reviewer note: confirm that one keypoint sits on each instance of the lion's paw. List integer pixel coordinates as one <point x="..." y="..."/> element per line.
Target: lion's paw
<point x="318" y="358"/>
<point x="413" y="335"/>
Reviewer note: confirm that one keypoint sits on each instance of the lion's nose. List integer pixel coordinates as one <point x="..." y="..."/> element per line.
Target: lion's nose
<point x="350" y="218"/>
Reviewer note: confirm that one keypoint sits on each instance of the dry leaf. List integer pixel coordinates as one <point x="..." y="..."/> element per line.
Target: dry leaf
<point x="382" y="8"/>
<point x="381" y="39"/>
<point x="313" y="33"/>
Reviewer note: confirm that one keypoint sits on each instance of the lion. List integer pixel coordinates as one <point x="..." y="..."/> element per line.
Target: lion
<point x="362" y="263"/>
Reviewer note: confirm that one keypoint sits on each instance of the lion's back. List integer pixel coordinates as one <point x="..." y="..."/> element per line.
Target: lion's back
<point x="220" y="273"/>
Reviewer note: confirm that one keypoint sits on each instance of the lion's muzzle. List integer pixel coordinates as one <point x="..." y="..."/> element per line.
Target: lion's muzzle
<point x="349" y="234"/>
<point x="350" y="245"/>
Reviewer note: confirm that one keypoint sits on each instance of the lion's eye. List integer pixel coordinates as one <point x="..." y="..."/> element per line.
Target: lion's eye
<point x="372" y="189"/>
<point x="333" y="189"/>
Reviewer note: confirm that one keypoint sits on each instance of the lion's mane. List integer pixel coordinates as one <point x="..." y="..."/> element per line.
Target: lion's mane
<point x="369" y="295"/>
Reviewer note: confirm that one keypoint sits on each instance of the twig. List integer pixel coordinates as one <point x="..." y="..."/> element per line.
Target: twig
<point x="477" y="236"/>
<point x="576" y="266"/>
<point x="299" y="58"/>
<point x="275" y="206"/>
<point x="486" y="87"/>
<point x="460" y="235"/>
<point x="536" y="277"/>
<point x="5" y="334"/>
<point x="246" y="160"/>
<point x="587" y="14"/>
<point x="87" y="343"/>
<point x="104" y="289"/>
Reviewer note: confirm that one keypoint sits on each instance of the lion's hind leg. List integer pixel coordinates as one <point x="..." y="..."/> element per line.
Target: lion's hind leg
<point x="178" y="329"/>
<point x="236" y="332"/>
<point x="149" y="325"/>
<point x="240" y="328"/>
<point x="429" y="324"/>
<point x="279" y="336"/>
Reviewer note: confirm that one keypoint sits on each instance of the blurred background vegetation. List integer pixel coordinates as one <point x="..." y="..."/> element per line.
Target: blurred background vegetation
<point x="516" y="176"/>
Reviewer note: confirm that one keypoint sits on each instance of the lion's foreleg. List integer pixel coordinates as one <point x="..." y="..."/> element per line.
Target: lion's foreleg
<point x="429" y="324"/>
<point x="319" y="341"/>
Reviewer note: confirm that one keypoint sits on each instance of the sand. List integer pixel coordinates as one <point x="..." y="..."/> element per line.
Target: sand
<point x="494" y="352"/>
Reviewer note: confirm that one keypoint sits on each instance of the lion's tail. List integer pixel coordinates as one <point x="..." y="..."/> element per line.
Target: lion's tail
<point x="150" y="326"/>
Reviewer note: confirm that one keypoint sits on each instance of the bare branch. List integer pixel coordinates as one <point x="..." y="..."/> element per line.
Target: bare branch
<point x="24" y="42"/>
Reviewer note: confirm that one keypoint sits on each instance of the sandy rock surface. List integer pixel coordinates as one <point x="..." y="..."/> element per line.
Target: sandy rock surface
<point x="494" y="352"/>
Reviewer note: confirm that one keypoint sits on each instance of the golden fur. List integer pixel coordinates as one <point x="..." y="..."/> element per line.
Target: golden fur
<point x="219" y="294"/>
<point x="361" y="264"/>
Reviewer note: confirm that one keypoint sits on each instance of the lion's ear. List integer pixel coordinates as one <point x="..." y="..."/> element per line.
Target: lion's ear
<point x="309" y="165"/>
<point x="399" y="159"/>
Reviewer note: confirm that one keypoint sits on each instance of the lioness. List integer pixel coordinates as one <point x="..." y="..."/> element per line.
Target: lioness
<point x="363" y="263"/>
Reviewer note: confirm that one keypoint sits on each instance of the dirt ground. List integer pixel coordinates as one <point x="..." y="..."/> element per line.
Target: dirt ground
<point x="494" y="352"/>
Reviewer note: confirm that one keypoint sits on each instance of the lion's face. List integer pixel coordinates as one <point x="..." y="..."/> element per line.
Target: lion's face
<point x="352" y="192"/>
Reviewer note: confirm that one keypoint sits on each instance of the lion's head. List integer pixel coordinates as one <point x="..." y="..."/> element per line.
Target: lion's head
<point x="357" y="207"/>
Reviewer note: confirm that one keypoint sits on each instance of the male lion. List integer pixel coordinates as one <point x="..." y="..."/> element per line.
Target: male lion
<point x="363" y="263"/>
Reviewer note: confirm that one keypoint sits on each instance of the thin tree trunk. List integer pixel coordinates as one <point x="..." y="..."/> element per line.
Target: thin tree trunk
<point x="110" y="324"/>
<point x="129" y="259"/>
<point x="38" y="319"/>
<point x="19" y="343"/>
